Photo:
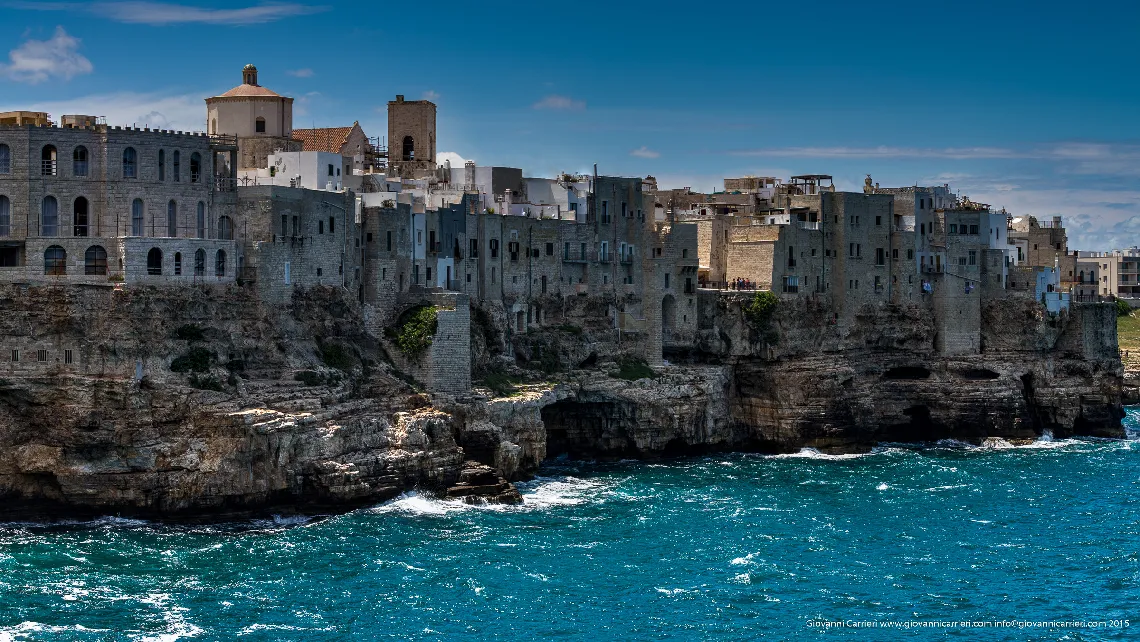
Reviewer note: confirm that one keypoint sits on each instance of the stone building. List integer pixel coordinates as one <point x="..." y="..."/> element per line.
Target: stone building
<point x="411" y="137"/>
<point x="76" y="202"/>
<point x="350" y="142"/>
<point x="260" y="118"/>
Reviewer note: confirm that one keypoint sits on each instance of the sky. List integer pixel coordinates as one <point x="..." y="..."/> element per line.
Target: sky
<point x="1030" y="107"/>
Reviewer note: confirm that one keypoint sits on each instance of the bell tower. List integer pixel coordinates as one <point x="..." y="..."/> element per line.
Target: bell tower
<point x="249" y="75"/>
<point x="411" y="137"/>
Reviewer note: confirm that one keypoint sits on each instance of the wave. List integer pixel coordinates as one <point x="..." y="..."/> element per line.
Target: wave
<point x="540" y="493"/>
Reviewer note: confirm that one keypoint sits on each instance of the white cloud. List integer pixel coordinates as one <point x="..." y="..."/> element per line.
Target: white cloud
<point x="456" y="160"/>
<point x="157" y="111"/>
<point x="36" y="61"/>
<point x="564" y="103"/>
<point x="645" y="152"/>
<point x="431" y="95"/>
<point x="161" y="13"/>
<point x="300" y="73"/>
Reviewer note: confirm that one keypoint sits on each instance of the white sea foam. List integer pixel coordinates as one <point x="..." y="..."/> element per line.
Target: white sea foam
<point x="812" y="453"/>
<point x="882" y="486"/>
<point x="27" y="630"/>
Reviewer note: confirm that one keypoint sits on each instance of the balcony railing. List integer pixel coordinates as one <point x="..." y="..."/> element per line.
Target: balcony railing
<point x="48" y="168"/>
<point x="809" y="225"/>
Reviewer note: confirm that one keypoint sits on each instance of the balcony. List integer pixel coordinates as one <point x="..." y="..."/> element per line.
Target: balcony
<point x="809" y="225"/>
<point x="582" y="288"/>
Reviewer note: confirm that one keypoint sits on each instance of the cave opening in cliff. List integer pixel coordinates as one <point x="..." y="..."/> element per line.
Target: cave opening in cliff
<point x="980" y="374"/>
<point x="586" y="430"/>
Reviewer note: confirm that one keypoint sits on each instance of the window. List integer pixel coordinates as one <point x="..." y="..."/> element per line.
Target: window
<point x="48" y="158"/>
<point x="41" y="355"/>
<point x="49" y="217"/>
<point x="685" y="253"/>
<point x="408" y="152"/>
<point x="172" y="219"/>
<point x="604" y="252"/>
<point x="130" y="163"/>
<point x="878" y="220"/>
<point x="5" y="159"/>
<point x="566" y="251"/>
<point x="68" y="357"/>
<point x="791" y="284"/>
<point x="851" y="250"/>
<point x="330" y="169"/>
<point x="200" y="264"/>
<point x="177" y="168"/>
<point x="429" y="275"/>
<point x="225" y="228"/>
<point x="605" y="211"/>
<point x="55" y="261"/>
<point x="880" y="256"/>
<point x="493" y="245"/>
<point x="137" y="217"/>
<point x="910" y="255"/>
<point x="953" y="228"/>
<point x="220" y="263"/>
<point x="320" y="227"/>
<point x="791" y="256"/>
<point x="79" y="162"/>
<point x="154" y="262"/>
<point x="5" y="216"/>
<point x="15" y="355"/>
<point x="195" y="167"/>
<point x="973" y="257"/>
<point x="389" y="240"/>
<point x="666" y="280"/>
<point x="550" y="249"/>
<point x="963" y="229"/>
<point x="259" y="125"/>
<point x="79" y="217"/>
<point x="177" y="264"/>
<point x="162" y="164"/>
<point x="201" y="220"/>
<point x="582" y="251"/>
<point x="95" y="261"/>
<point x="973" y="229"/>
<point x="332" y="225"/>
<point x="624" y="213"/>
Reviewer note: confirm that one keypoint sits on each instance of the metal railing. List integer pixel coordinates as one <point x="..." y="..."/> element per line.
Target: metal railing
<point x="48" y="168"/>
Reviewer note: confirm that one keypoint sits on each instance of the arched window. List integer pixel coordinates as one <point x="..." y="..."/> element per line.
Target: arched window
<point x="154" y="262"/>
<point x="177" y="264"/>
<point x="225" y="229"/>
<point x="220" y="263"/>
<point x="95" y="261"/>
<point x="137" y="217"/>
<point x="162" y="164"/>
<point x="201" y="220"/>
<point x="79" y="161"/>
<point x="195" y="167"/>
<point x="200" y="262"/>
<point x="409" y="150"/>
<point x="5" y="216"/>
<point x="55" y="261"/>
<point x="79" y="217"/>
<point x="5" y="160"/>
<point x="259" y="125"/>
<point x="130" y="163"/>
<point x="48" y="158"/>
<point x="177" y="166"/>
<point x="172" y="219"/>
<point x="49" y="217"/>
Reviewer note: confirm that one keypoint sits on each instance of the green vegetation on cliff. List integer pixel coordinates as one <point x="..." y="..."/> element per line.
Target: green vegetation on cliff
<point x="759" y="313"/>
<point x="414" y="331"/>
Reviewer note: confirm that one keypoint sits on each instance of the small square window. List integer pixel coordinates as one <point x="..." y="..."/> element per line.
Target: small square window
<point x="41" y="355"/>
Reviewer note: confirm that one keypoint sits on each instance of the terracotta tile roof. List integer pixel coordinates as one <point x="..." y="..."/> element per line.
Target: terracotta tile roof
<point x="325" y="139"/>
<point x="249" y="90"/>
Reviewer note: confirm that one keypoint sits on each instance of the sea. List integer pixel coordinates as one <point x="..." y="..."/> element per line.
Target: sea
<point x="943" y="541"/>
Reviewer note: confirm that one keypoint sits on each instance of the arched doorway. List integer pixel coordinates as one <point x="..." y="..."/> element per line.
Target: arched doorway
<point x="409" y="149"/>
<point x="154" y="262"/>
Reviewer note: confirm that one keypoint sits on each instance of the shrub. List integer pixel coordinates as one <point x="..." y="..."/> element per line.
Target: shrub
<point x="189" y="332"/>
<point x="195" y="360"/>
<point x="1123" y="309"/>
<point x="633" y="368"/>
<point x="309" y="378"/>
<point x="760" y="309"/>
<point x="570" y="328"/>
<point x="415" y="330"/>
<point x="335" y="356"/>
<point x="207" y="382"/>
<point x="501" y="384"/>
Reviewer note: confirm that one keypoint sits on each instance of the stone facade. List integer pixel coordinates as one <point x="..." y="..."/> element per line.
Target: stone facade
<point x="411" y="136"/>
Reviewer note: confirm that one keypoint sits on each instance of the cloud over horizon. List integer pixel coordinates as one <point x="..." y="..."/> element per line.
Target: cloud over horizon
<point x="162" y="14"/>
<point x="36" y="61"/>
<point x="560" y="103"/>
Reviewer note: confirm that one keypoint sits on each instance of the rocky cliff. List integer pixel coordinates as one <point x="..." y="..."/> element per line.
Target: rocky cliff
<point x="203" y="401"/>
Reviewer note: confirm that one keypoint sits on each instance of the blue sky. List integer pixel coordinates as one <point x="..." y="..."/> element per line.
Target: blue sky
<point x="1030" y="107"/>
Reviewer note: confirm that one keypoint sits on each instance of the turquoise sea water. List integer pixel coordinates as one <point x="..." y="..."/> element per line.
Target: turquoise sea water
<point x="725" y="547"/>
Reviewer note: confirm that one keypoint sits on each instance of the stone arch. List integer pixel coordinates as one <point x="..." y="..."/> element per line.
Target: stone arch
<point x="137" y="221"/>
<point x="49" y="217"/>
<point x="154" y="262"/>
<point x="49" y="161"/>
<point x="408" y="149"/>
<point x="225" y="228"/>
<point x="130" y="163"/>
<point x="200" y="262"/>
<point x="95" y="261"/>
<point x="220" y="263"/>
<point x="55" y="261"/>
